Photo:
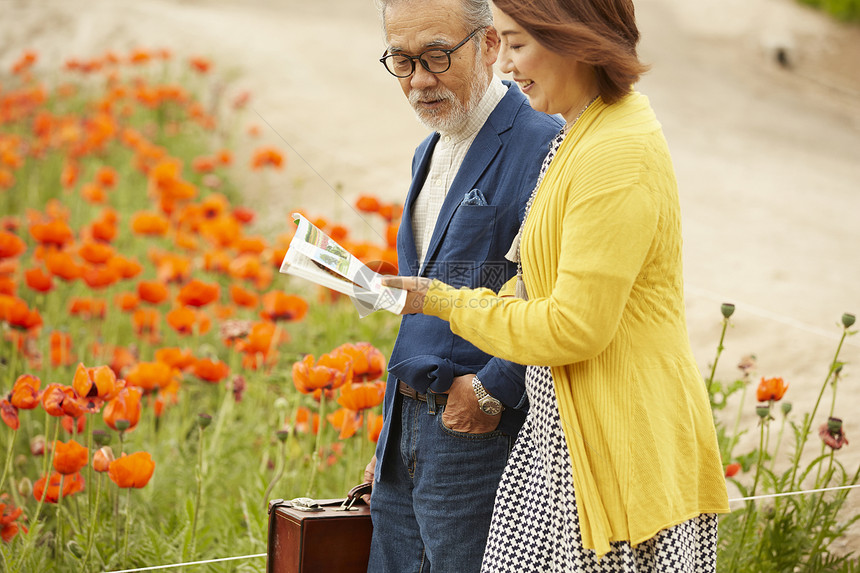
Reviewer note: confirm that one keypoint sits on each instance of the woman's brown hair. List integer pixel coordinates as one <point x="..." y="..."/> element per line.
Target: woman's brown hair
<point x="600" y="33"/>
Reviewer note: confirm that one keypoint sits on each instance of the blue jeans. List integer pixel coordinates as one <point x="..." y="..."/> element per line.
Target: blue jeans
<point x="431" y="505"/>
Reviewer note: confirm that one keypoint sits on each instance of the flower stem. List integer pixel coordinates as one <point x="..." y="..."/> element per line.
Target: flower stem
<point x="93" y="517"/>
<point x="8" y="463"/>
<point x="720" y="349"/>
<point x="127" y="526"/>
<point x="59" y="545"/>
<point x="282" y="464"/>
<point x="317" y="455"/>
<point x="807" y="424"/>
<point x="750" y="505"/>
<point x="199" y="493"/>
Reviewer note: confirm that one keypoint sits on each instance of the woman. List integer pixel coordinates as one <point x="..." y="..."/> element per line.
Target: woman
<point x="617" y="467"/>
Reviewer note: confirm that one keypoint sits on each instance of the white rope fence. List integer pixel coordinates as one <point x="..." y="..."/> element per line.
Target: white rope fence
<point x="258" y="555"/>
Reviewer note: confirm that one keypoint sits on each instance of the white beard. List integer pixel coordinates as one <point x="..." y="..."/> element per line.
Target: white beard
<point x="454" y="114"/>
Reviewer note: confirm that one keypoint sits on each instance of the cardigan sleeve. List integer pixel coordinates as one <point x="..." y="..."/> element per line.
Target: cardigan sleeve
<point x="608" y="225"/>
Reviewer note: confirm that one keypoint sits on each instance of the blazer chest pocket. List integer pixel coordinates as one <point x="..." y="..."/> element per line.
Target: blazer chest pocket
<point x="467" y="243"/>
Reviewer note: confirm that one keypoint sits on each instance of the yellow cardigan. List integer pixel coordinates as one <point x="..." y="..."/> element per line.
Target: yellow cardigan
<point x="601" y="257"/>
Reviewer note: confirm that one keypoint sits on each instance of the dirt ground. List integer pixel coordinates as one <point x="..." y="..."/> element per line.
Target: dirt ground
<point x="767" y="154"/>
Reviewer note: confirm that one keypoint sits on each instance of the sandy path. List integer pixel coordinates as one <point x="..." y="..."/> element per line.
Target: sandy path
<point x="768" y="159"/>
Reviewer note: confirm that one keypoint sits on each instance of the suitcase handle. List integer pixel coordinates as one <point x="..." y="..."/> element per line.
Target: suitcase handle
<point x="354" y="495"/>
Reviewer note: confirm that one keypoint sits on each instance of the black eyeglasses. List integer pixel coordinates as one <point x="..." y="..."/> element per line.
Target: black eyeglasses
<point x="434" y="60"/>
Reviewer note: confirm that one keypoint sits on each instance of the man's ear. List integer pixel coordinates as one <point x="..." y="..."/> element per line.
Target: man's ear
<point x="492" y="44"/>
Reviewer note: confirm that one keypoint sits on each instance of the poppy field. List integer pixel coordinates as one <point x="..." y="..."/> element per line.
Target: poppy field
<point x="159" y="380"/>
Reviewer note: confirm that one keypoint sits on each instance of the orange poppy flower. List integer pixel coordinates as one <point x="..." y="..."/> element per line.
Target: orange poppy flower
<point x="8" y="515"/>
<point x="196" y="293"/>
<point x="278" y="305"/>
<point x="267" y="156"/>
<point x="127" y="301"/>
<point x="125" y="406"/>
<point x="93" y="193"/>
<point x="25" y="392"/>
<point x="172" y="268"/>
<point x="390" y="212"/>
<point x="87" y="308"/>
<point x="11" y="245"/>
<point x="70" y="173"/>
<point x="74" y="426"/>
<point x="153" y="292"/>
<point x="347" y="421"/>
<point x="263" y="337"/>
<point x="71" y="485"/>
<point x="125" y="268"/>
<point x="178" y="358"/>
<point x="374" y="426"/>
<point x="150" y="376"/>
<point x="148" y="223"/>
<point x="250" y="245"/>
<point x="62" y="265"/>
<point x="102" y="230"/>
<point x="61" y="349"/>
<point x="203" y="164"/>
<point x="367" y="204"/>
<point x="243" y="297"/>
<point x="391" y="235"/>
<point x="99" y="277"/>
<point x="97" y="382"/>
<point x="771" y="389"/>
<point x="309" y="377"/>
<point x="307" y="422"/>
<point x="15" y="312"/>
<point x="360" y="397"/>
<point x="55" y="232"/>
<point x="368" y="363"/>
<point x="146" y="322"/>
<point x="243" y="215"/>
<point x="70" y="458"/>
<point x="7" y="179"/>
<point x="224" y="156"/>
<point x="95" y="253"/>
<point x="9" y="414"/>
<point x="183" y="320"/>
<point x="210" y="370"/>
<point x="132" y="471"/>
<point x="38" y="280"/>
<point x="222" y="231"/>
<point x="216" y="261"/>
<point x="106" y="176"/>
<point x="199" y="64"/>
<point x="8" y="286"/>
<point x="102" y="459"/>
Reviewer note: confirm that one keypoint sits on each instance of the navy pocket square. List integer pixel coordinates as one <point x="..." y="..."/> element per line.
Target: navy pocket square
<point x="474" y="197"/>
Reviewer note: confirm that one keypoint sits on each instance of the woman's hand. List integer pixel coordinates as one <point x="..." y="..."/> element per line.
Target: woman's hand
<point x="416" y="288"/>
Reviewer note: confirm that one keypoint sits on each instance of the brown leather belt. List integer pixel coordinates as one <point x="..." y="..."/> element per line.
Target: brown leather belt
<point x="410" y="392"/>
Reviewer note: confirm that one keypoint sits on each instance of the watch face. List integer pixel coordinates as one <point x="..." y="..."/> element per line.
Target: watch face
<point x="491" y="406"/>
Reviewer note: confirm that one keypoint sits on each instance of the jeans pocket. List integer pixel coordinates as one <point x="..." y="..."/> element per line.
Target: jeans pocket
<point x="466" y="435"/>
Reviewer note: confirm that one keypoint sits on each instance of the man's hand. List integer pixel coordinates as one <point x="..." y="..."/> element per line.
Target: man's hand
<point x="369" y="474"/>
<point x="462" y="413"/>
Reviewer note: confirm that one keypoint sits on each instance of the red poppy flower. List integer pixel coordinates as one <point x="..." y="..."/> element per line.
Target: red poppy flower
<point x="132" y="471"/>
<point x="127" y="301"/>
<point x="11" y="245"/>
<point x="210" y="370"/>
<point x="101" y="276"/>
<point x="72" y="484"/>
<point x="153" y="292"/>
<point x="93" y="193"/>
<point x="25" y="392"/>
<point x="87" y="308"/>
<point x="106" y="176"/>
<point x="197" y="293"/>
<point x="125" y="268"/>
<point x="70" y="457"/>
<point x="771" y="389"/>
<point x="732" y="469"/>
<point x="8" y="286"/>
<point x="243" y="297"/>
<point x="243" y="215"/>
<point x="278" y="305"/>
<point x="8" y="515"/>
<point x="62" y="265"/>
<point x="125" y="406"/>
<point x="38" y="280"/>
<point x="18" y="315"/>
<point x="148" y="223"/>
<point x="367" y="204"/>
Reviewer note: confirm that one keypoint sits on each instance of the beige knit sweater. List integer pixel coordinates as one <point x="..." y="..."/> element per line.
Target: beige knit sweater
<point x="601" y="253"/>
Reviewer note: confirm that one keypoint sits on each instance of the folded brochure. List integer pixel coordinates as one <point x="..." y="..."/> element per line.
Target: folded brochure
<point x="316" y="257"/>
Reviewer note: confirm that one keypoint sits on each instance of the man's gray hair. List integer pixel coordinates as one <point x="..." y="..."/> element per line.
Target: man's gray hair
<point x="476" y="13"/>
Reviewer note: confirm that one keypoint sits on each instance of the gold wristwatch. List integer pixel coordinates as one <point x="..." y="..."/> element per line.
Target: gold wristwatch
<point x="489" y="405"/>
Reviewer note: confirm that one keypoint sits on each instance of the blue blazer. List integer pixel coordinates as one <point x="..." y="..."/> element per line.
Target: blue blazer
<point x="477" y="223"/>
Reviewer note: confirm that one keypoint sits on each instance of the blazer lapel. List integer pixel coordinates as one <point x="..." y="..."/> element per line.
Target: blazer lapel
<point x="406" y="248"/>
<point x="477" y="159"/>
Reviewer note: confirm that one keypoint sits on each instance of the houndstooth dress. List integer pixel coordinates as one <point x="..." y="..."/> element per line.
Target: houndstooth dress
<point x="535" y="524"/>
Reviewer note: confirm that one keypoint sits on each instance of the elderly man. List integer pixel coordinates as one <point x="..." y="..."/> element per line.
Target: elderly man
<point x="451" y="411"/>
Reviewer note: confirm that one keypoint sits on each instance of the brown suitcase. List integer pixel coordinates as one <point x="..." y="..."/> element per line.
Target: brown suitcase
<point x="320" y="536"/>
